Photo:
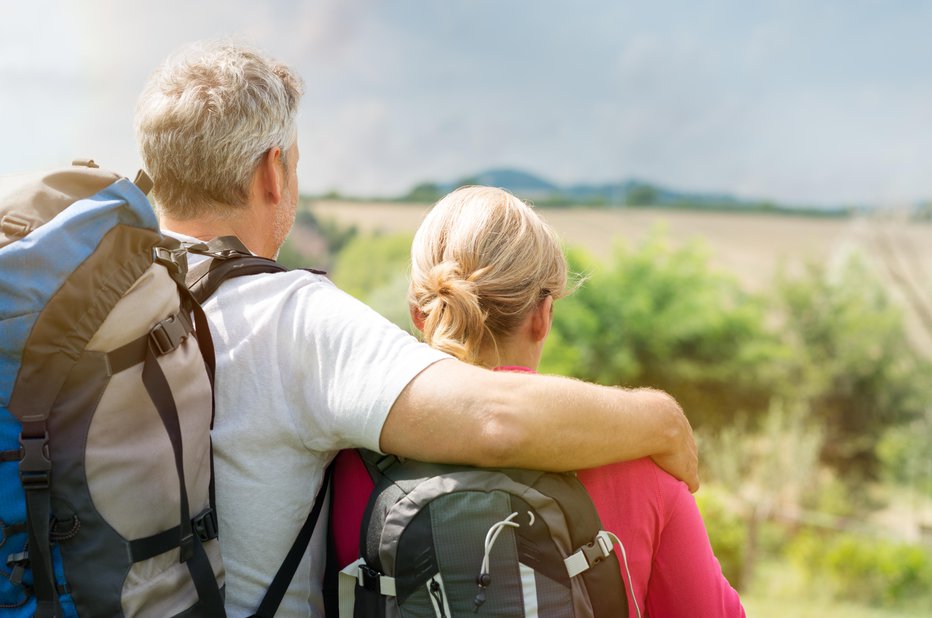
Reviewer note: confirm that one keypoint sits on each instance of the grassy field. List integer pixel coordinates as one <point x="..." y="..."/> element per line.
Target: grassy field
<point x="751" y="246"/>
<point x="776" y="594"/>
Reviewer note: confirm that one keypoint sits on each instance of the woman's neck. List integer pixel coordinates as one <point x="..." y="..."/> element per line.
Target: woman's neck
<point x="510" y="353"/>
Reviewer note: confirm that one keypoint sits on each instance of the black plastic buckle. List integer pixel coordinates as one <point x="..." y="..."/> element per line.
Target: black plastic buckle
<point x="168" y="334"/>
<point x="35" y="465"/>
<point x="17" y="563"/>
<point x="369" y="578"/>
<point x="205" y="525"/>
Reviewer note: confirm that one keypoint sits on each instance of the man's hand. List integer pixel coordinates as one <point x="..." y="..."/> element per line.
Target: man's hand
<point x="682" y="460"/>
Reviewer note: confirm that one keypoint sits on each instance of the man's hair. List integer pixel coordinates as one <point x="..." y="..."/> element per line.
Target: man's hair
<point x="206" y="118"/>
<point x="480" y="262"/>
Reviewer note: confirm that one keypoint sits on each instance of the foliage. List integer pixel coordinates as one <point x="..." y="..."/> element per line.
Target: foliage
<point x="660" y="316"/>
<point x="425" y="192"/>
<point x="769" y="471"/>
<point x="863" y="569"/>
<point x="905" y="454"/>
<point x="290" y="256"/>
<point x="727" y="533"/>
<point x="772" y="467"/>
<point x="850" y="358"/>
<point x="334" y="237"/>
<point x="641" y="195"/>
<point x="374" y="269"/>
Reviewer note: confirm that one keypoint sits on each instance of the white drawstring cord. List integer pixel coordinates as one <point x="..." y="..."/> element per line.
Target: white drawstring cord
<point x="491" y="537"/>
<point x="624" y="559"/>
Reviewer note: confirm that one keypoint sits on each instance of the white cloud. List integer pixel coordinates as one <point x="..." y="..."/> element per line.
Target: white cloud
<point x="791" y="102"/>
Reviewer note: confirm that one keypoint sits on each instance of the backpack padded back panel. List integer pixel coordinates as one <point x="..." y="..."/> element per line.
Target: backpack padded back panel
<point x="85" y="312"/>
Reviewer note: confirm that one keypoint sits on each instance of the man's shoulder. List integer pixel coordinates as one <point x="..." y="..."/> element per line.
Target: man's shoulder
<point x="277" y="288"/>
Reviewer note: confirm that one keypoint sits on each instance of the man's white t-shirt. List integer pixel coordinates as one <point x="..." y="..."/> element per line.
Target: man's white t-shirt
<point x="303" y="370"/>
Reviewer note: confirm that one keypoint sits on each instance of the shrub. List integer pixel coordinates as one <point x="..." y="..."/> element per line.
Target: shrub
<point x="727" y="534"/>
<point x="861" y="569"/>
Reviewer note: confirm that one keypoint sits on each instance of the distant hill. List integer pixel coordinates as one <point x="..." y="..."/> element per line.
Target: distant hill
<point x="516" y="181"/>
<point x="633" y="193"/>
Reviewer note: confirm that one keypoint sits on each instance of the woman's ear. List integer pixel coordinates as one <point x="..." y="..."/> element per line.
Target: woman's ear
<point x="542" y="318"/>
<point x="417" y="318"/>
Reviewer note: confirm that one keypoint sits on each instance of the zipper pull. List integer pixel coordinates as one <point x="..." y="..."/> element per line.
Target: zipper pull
<point x="437" y="593"/>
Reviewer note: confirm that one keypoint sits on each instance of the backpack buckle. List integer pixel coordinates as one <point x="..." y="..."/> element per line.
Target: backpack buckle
<point x="35" y="465"/>
<point x="174" y="259"/>
<point x="205" y="525"/>
<point x="17" y="563"/>
<point x="169" y="333"/>
<point x="597" y="550"/>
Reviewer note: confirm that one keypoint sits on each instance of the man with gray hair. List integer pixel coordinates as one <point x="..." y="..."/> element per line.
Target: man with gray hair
<point x="304" y="370"/>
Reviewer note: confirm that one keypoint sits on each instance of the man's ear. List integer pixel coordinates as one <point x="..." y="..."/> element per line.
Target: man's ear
<point x="271" y="175"/>
<point x="541" y="319"/>
<point x="417" y="318"/>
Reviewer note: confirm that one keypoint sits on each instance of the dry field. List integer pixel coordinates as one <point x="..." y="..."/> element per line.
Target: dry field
<point x="753" y="247"/>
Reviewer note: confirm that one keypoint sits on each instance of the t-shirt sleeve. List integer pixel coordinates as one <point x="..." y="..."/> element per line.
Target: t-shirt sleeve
<point x="347" y="365"/>
<point x="686" y="578"/>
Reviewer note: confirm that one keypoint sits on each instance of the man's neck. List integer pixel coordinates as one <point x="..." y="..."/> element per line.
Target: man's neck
<point x="207" y="229"/>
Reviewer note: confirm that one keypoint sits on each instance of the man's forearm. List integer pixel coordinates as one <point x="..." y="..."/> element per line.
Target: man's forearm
<point x="461" y="414"/>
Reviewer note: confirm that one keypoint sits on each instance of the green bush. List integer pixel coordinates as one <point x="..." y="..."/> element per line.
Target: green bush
<point x="727" y="533"/>
<point x="374" y="269"/>
<point x="659" y="315"/>
<point x="864" y="570"/>
<point x="852" y="360"/>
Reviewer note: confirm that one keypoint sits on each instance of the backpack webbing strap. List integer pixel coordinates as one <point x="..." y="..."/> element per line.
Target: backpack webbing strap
<point x="191" y="551"/>
<point x="360" y="574"/>
<point x="204" y="526"/>
<point x="165" y="336"/>
<point x="204" y="279"/>
<point x="229" y="258"/>
<point x="281" y="581"/>
<point x="35" y="474"/>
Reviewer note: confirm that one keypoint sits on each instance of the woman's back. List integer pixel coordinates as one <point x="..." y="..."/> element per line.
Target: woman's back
<point x="485" y="273"/>
<point x="673" y="570"/>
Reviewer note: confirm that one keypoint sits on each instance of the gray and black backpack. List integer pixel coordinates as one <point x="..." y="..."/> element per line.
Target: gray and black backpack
<point x="441" y="540"/>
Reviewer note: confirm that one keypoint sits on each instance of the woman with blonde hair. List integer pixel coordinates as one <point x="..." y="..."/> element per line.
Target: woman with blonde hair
<point x="485" y="272"/>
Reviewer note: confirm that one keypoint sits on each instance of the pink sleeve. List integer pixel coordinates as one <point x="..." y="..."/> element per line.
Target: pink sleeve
<point x="686" y="579"/>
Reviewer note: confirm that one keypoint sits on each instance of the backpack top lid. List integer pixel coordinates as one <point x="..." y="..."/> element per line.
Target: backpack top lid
<point x="51" y="224"/>
<point x="30" y="200"/>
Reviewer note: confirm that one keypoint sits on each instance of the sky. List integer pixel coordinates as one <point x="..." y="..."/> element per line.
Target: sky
<point x="800" y="102"/>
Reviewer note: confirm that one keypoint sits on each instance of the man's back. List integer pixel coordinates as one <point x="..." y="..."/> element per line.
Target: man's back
<point x="302" y="371"/>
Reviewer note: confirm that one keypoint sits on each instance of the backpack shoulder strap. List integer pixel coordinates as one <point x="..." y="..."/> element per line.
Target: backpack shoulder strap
<point x="276" y="590"/>
<point x="229" y="258"/>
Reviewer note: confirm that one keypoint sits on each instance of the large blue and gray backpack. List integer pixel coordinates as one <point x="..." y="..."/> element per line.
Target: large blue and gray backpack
<point x="105" y="407"/>
<point x="441" y="540"/>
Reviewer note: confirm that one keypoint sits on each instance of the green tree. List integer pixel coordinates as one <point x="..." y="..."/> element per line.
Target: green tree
<point x="850" y="358"/>
<point x="424" y="192"/>
<point x="374" y="269"/>
<point x="660" y="316"/>
<point x="641" y="195"/>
